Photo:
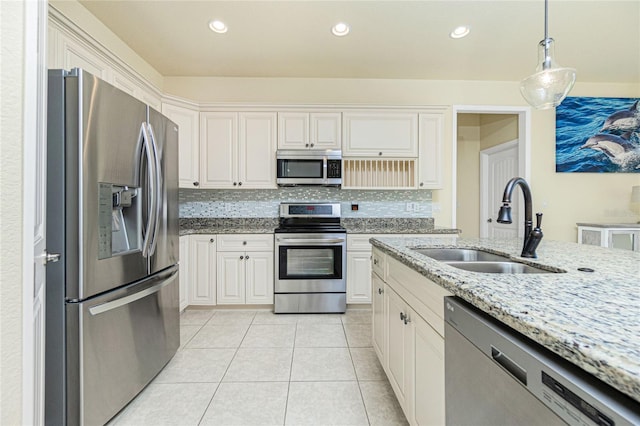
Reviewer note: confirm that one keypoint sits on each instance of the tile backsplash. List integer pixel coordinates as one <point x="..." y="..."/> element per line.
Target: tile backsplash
<point x="197" y="203"/>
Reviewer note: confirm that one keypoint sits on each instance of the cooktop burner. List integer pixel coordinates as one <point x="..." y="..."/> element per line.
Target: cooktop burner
<point x="310" y="217"/>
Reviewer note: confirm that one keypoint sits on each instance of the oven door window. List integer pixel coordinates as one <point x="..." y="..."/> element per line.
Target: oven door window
<point x="311" y="169"/>
<point x="310" y="262"/>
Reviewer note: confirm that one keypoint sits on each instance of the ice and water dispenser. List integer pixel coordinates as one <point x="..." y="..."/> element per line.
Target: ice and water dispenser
<point x="119" y="220"/>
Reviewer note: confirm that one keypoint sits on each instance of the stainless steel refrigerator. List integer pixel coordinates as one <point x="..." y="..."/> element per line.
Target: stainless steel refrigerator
<point x="112" y="315"/>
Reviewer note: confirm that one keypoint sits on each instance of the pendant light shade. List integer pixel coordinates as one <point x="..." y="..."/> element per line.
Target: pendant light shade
<point x="551" y="83"/>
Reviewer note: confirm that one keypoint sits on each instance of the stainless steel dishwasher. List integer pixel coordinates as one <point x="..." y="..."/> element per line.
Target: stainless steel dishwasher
<point x="496" y="376"/>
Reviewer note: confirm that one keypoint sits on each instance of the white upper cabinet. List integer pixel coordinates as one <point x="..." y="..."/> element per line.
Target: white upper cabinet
<point x="316" y="130"/>
<point x="188" y="121"/>
<point x="237" y="150"/>
<point x="430" y="160"/>
<point x="380" y="134"/>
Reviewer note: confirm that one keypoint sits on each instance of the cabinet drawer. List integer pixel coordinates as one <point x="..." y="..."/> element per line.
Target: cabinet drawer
<point x="245" y="242"/>
<point x="379" y="263"/>
<point x="360" y="242"/>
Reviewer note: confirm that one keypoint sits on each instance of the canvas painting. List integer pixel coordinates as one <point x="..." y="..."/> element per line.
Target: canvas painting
<point x="598" y="135"/>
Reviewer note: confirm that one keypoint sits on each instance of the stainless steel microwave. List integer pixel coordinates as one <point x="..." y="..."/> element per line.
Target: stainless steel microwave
<point x="309" y="167"/>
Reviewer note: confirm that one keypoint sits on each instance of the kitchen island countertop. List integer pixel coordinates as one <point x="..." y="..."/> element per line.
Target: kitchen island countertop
<point x="592" y="319"/>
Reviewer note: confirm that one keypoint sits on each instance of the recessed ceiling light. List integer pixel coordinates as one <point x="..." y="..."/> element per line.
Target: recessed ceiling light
<point x="218" y="26"/>
<point x="459" y="32"/>
<point x="340" y="29"/>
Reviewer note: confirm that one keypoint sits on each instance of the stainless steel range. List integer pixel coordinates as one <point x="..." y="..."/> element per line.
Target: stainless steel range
<point x="311" y="251"/>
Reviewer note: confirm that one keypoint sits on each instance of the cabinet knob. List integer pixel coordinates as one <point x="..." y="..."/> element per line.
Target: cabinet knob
<point x="379" y="153"/>
<point x="406" y="320"/>
<point x="235" y="183"/>
<point x="246" y="257"/>
<point x="241" y="257"/>
<point x="489" y="220"/>
<point x="380" y="291"/>
<point x="402" y="316"/>
<point x="196" y="183"/>
<point x="244" y="243"/>
<point x="239" y="183"/>
<point x="311" y="145"/>
<point x="306" y="145"/>
<point x="421" y="183"/>
<point x="375" y="261"/>
<point x="211" y="240"/>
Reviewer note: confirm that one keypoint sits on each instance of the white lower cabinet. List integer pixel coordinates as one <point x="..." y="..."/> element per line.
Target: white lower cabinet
<point x="202" y="269"/>
<point x="408" y="339"/>
<point x="245" y="269"/>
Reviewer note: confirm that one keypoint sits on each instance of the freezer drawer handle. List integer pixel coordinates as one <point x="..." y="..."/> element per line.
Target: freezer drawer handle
<point x="98" y="309"/>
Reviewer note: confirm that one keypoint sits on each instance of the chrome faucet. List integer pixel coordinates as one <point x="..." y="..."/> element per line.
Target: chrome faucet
<point x="532" y="236"/>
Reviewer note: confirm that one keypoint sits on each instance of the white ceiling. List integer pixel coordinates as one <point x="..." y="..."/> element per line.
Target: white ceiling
<point x="389" y="39"/>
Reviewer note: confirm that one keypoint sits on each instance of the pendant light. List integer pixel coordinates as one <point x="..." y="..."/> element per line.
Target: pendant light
<point x="551" y="83"/>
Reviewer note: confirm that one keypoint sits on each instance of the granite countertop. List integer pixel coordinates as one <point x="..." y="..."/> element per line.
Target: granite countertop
<point x="353" y="226"/>
<point x="592" y="319"/>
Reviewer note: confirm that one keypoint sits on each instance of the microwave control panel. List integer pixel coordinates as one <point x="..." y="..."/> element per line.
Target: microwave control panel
<point x="333" y="169"/>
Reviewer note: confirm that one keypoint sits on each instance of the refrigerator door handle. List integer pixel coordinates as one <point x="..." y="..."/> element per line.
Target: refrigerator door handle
<point x="158" y="182"/>
<point x="151" y="172"/>
<point x="167" y="279"/>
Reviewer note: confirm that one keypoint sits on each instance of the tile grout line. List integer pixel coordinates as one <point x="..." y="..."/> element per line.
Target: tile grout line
<point x="226" y="369"/>
<point x="293" y="351"/>
<point x="355" y="373"/>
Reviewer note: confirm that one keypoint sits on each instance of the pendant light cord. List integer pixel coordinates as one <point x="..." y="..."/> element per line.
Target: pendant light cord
<point x="545" y="62"/>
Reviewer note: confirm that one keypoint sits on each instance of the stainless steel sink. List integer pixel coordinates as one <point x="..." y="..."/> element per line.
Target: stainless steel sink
<point x="480" y="261"/>
<point x="499" y="267"/>
<point x="460" y="255"/>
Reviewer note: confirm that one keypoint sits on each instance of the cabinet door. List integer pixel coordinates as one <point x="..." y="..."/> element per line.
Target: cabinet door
<point x="231" y="278"/>
<point x="378" y="322"/>
<point x="202" y="270"/>
<point x="359" y="277"/>
<point x="325" y="130"/>
<point x="430" y="146"/>
<point x="427" y="395"/>
<point x="188" y="143"/>
<point x="185" y="278"/>
<point x="398" y="341"/>
<point x="218" y="149"/>
<point x="259" y="277"/>
<point x="380" y="134"/>
<point x="257" y="150"/>
<point x="293" y="130"/>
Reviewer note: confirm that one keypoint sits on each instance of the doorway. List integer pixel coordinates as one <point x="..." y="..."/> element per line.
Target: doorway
<point x="479" y="129"/>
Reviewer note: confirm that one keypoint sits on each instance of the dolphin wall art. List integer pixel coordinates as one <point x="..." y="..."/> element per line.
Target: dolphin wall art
<point x="598" y="135"/>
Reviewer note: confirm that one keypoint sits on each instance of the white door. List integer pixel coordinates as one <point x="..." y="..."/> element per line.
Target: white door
<point x="259" y="278"/>
<point x="498" y="164"/>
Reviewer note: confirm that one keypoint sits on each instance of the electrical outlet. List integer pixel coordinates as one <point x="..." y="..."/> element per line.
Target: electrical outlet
<point x="410" y="207"/>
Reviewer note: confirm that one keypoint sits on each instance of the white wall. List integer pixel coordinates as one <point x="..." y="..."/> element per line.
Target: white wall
<point x="468" y="175"/>
<point x="11" y="187"/>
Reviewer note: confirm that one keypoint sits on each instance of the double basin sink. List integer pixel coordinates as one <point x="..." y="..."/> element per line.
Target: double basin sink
<point x="479" y="261"/>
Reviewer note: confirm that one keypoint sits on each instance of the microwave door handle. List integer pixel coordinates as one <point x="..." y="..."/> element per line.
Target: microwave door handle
<point x="151" y="195"/>
<point x="158" y="182"/>
<point x="324" y="168"/>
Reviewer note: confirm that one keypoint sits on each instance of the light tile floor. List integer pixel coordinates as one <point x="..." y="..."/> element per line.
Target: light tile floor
<point x="257" y="368"/>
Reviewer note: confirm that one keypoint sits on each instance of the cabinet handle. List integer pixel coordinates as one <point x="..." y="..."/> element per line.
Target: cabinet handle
<point x="406" y="319"/>
<point x="241" y="257"/>
<point x="246" y="257"/>
<point x="402" y="316"/>
<point x="380" y="291"/>
<point x="211" y="240"/>
<point x="375" y="261"/>
<point x="379" y="153"/>
<point x="196" y="183"/>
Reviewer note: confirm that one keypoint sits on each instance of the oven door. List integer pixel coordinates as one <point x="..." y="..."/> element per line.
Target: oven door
<point x="310" y="263"/>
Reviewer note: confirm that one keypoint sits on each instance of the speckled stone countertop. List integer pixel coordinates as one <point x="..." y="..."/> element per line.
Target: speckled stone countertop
<point x="353" y="225"/>
<point x="592" y="319"/>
